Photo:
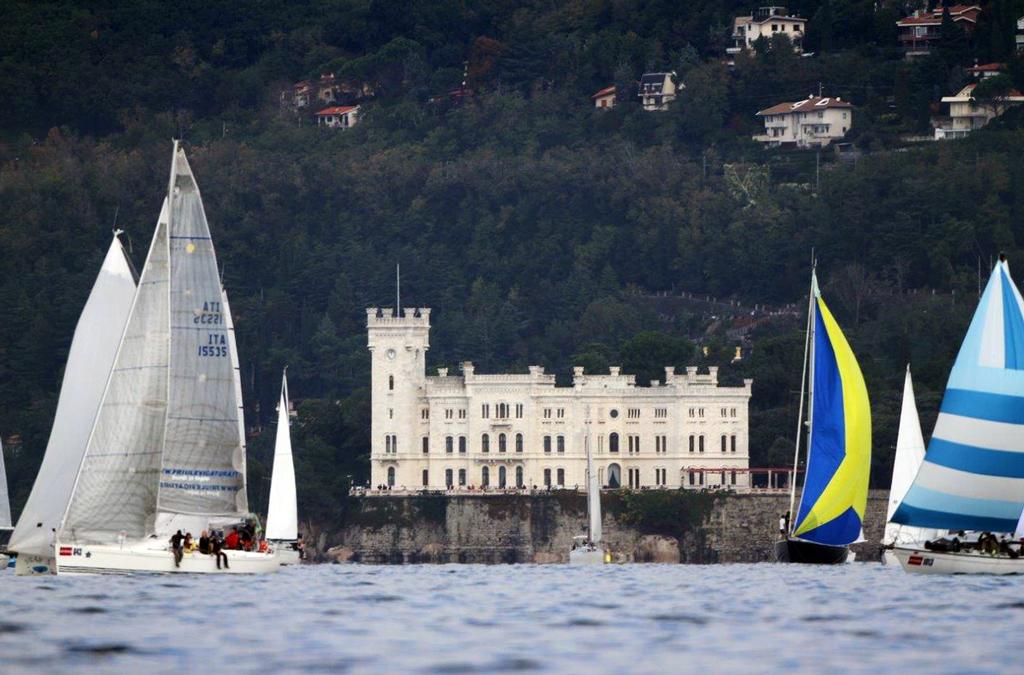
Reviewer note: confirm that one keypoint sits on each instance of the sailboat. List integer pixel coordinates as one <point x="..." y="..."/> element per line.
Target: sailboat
<point x="5" y="512"/>
<point x="166" y="451"/>
<point x="835" y="489"/>
<point x="909" y="455"/>
<point x="972" y="477"/>
<point x="90" y="359"/>
<point x="282" y="513"/>
<point x="587" y="550"/>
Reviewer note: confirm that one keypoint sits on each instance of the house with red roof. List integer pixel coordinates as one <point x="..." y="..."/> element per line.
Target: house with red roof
<point x="920" y="32"/>
<point x="338" y="116"/>
<point x="605" y="98"/>
<point x="967" y="113"/>
<point x="814" y="121"/>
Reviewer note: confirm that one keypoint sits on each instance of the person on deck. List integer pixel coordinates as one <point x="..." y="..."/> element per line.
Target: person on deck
<point x="216" y="545"/>
<point x="189" y="544"/>
<point x="232" y="540"/>
<point x="176" y="540"/>
<point x="204" y="543"/>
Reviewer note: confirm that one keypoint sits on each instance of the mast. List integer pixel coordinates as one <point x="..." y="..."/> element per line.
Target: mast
<point x="593" y="489"/>
<point x="808" y="352"/>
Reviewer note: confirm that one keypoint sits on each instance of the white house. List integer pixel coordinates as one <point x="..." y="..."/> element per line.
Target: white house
<point x="814" y="121"/>
<point x="766" y="22"/>
<point x="967" y="113"/>
<point x="338" y="116"/>
<point x="520" y="430"/>
<point x="605" y="98"/>
<point x="657" y="90"/>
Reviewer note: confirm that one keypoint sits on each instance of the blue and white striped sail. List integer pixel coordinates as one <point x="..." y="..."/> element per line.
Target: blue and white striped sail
<point x="972" y="477"/>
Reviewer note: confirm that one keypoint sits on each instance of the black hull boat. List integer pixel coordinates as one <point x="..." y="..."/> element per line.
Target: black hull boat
<point x="809" y="553"/>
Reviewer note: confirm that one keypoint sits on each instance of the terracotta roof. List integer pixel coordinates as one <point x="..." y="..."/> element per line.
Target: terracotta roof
<point x="604" y="92"/>
<point x="807" y="105"/>
<point x="966" y="93"/>
<point x="337" y="110"/>
<point x="988" y="68"/>
<point x="934" y="18"/>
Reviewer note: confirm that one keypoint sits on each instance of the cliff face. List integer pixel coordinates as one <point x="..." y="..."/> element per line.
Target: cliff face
<point x="638" y="527"/>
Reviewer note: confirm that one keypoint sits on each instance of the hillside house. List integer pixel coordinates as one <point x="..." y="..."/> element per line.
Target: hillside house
<point x="657" y="90"/>
<point x="967" y="113"/>
<point x="338" y="117"/>
<point x="604" y="98"/>
<point x="298" y="96"/>
<point x="920" y="32"/>
<point x="984" y="70"/>
<point x="766" y="22"/>
<point x="814" y="121"/>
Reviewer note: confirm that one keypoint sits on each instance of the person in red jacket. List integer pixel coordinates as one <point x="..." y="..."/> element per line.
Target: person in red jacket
<point x="231" y="541"/>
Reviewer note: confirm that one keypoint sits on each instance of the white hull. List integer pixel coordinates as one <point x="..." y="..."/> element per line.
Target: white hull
<point x="889" y="558"/>
<point x="923" y="561"/>
<point x="151" y="557"/>
<point x="33" y="565"/>
<point x="582" y="556"/>
<point x="286" y="555"/>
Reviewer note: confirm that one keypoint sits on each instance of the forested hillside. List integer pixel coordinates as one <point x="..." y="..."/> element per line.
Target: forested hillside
<point x="533" y="224"/>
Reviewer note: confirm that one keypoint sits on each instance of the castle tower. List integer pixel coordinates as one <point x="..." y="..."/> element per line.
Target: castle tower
<point x="398" y="343"/>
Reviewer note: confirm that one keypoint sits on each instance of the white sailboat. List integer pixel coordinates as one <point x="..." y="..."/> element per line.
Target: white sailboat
<point x="587" y="550"/>
<point x="90" y="359"/>
<point x="5" y="512"/>
<point x="165" y="452"/>
<point x="909" y="455"/>
<point x="972" y="477"/>
<point x="282" y="513"/>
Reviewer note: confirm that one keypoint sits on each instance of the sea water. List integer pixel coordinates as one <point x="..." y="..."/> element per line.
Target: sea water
<point x="543" y="618"/>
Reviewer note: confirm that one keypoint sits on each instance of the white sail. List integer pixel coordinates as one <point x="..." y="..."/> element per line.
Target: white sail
<point x="910" y="451"/>
<point x="237" y="377"/>
<point x="282" y="513"/>
<point x="90" y="359"/>
<point x="593" y="497"/>
<point x="5" y="500"/>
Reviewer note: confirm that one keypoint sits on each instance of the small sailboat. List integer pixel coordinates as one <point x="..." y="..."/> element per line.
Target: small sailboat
<point x="835" y="488"/>
<point x="90" y="359"/>
<point x="166" y="451"/>
<point x="282" y="513"/>
<point x="909" y="455"/>
<point x="5" y="513"/>
<point x="587" y="550"/>
<point x="972" y="477"/>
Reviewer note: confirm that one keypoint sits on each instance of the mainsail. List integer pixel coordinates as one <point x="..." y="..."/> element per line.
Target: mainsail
<point x="165" y="444"/>
<point x="5" y="499"/>
<point x="90" y="360"/>
<point x="909" y="455"/>
<point x="282" y="514"/>
<point x="593" y="497"/>
<point x="972" y="477"/>
<point x="839" y="450"/>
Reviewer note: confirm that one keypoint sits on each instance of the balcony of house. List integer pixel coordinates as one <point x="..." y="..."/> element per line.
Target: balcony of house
<point x="949" y="133"/>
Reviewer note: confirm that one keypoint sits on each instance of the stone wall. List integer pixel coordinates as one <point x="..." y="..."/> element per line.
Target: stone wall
<point x="654" y="526"/>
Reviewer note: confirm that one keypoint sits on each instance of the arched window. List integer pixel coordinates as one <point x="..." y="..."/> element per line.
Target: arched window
<point x="519" y="477"/>
<point x="391" y="382"/>
<point x="391" y="476"/>
<point x="613" y="443"/>
<point x="724" y="441"/>
<point x="485" y="443"/>
<point x="462" y="445"/>
<point x="501" y="443"/>
<point x="561" y="477"/>
<point x="426" y="478"/>
<point x="733" y="443"/>
<point x="448" y="482"/>
<point x="547" y="478"/>
<point x="519" y="442"/>
<point x="485" y="477"/>
<point x="462" y="478"/>
<point x="614" y="476"/>
<point x="502" y="482"/>
<point x="387" y="444"/>
<point x="449" y="444"/>
<point x="700" y="444"/>
<point x="691" y="442"/>
<point x="426" y="445"/>
<point x="561" y="443"/>
<point x="547" y="444"/>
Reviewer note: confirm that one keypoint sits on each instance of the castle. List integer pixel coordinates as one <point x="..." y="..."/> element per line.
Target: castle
<point x="520" y="430"/>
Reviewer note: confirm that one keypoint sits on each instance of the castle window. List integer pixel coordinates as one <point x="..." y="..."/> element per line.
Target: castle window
<point x="425" y="414"/>
<point x="561" y="443"/>
<point x="448" y="478"/>
<point x="547" y="478"/>
<point x="449" y="444"/>
<point x="613" y="442"/>
<point x="724" y="412"/>
<point x="732" y="442"/>
<point x="448" y="413"/>
<point x="462" y="445"/>
<point x="501" y="443"/>
<point x="391" y="413"/>
<point x="701" y="443"/>
<point x="502" y="479"/>
<point x="485" y="410"/>
<point x="485" y="477"/>
<point x="547" y="413"/>
<point x="693" y="478"/>
<point x="732" y="412"/>
<point x="614" y="476"/>
<point x="547" y="444"/>
<point x="462" y="478"/>
<point x="426" y="445"/>
<point x="485" y="443"/>
<point x="426" y="478"/>
<point x="614" y="413"/>
<point x="692" y="411"/>
<point x="391" y="382"/>
<point x="660" y="413"/>
<point x="519" y="411"/>
<point x="462" y="414"/>
<point x="691" y="442"/>
<point x="561" y="413"/>
<point x="387" y="444"/>
<point x="561" y="477"/>
<point x="502" y="409"/>
<point x="633" y="413"/>
<point x="700" y="412"/>
<point x="732" y="477"/>
<point x="519" y="477"/>
<point x="519" y="442"/>
<point x="391" y="476"/>
<point x="724" y="441"/>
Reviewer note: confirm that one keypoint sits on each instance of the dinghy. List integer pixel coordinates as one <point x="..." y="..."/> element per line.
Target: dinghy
<point x="166" y="451"/>
<point x="972" y="477"/>
<point x="282" y="513"/>
<point x="90" y="359"/>
<point x="909" y="455"/>
<point x="588" y="550"/>
<point x="835" y="488"/>
<point x="5" y="513"/>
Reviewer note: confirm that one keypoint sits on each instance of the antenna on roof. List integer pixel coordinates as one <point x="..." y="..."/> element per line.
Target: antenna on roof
<point x="819" y="90"/>
<point x="398" y="289"/>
